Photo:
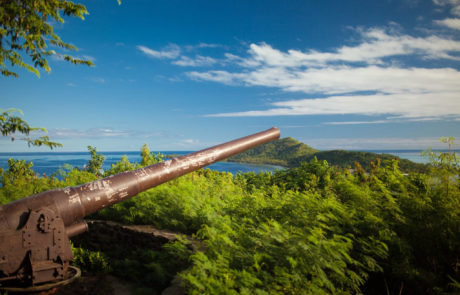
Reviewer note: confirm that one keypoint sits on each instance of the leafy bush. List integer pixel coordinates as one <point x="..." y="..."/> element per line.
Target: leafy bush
<point x="92" y="261"/>
<point x="95" y="162"/>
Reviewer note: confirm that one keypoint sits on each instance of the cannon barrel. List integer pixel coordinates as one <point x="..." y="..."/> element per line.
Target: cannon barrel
<point x="34" y="231"/>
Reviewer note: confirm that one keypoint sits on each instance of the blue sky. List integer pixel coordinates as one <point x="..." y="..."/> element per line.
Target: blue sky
<point x="184" y="75"/>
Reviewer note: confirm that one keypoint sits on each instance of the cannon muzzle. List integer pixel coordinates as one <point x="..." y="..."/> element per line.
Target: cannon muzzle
<point x="35" y="231"/>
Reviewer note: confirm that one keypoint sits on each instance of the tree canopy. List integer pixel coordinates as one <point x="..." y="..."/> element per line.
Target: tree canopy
<point x="26" y="34"/>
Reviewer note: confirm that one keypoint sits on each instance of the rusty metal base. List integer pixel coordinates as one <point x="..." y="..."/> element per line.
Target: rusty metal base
<point x="48" y="288"/>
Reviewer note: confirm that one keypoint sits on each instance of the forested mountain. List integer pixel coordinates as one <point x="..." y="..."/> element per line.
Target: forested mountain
<point x="289" y="152"/>
<point x="278" y="152"/>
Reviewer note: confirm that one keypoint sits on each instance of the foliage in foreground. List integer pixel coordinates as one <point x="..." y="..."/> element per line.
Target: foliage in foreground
<point x="313" y="229"/>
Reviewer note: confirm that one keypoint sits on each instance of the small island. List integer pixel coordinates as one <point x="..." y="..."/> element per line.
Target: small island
<point x="289" y="152"/>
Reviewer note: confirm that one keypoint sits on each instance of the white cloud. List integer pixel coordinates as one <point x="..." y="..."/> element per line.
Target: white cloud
<point x="98" y="133"/>
<point x="195" y="62"/>
<point x="385" y="121"/>
<point x="405" y="105"/>
<point x="376" y="45"/>
<point x="426" y="119"/>
<point x="89" y="133"/>
<point x="170" y="52"/>
<point x="455" y="4"/>
<point x="358" y="122"/>
<point x="98" y="80"/>
<point x="292" y="126"/>
<point x="217" y="76"/>
<point x="453" y="23"/>
<point x="202" y="45"/>
<point x="369" y="78"/>
<point x="173" y="52"/>
<point x="190" y="141"/>
<point x="379" y="143"/>
<point x="208" y="45"/>
<point x="342" y="79"/>
<point x="174" y="79"/>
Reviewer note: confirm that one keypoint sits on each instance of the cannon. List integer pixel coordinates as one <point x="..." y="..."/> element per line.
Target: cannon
<point x="34" y="232"/>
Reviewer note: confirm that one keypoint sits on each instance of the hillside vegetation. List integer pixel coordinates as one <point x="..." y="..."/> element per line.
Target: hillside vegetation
<point x="278" y="152"/>
<point x="289" y="152"/>
<point x="345" y="159"/>
<point x="312" y="229"/>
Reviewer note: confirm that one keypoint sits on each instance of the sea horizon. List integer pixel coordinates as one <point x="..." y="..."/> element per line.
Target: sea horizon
<point x="50" y="162"/>
<point x="191" y="151"/>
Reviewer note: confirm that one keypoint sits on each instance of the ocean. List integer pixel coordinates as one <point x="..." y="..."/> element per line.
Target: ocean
<point x="49" y="162"/>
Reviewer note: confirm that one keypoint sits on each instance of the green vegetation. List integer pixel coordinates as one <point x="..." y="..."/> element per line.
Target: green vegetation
<point x="278" y="152"/>
<point x="95" y="162"/>
<point x="345" y="159"/>
<point x="26" y="30"/>
<point x="289" y="152"/>
<point x="311" y="229"/>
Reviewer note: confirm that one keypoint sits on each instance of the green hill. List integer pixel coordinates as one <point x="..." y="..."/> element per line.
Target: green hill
<point x="345" y="159"/>
<point x="289" y="152"/>
<point x="278" y="152"/>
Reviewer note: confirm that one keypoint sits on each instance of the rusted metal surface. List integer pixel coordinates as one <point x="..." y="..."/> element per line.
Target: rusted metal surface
<point x="34" y="232"/>
<point x="76" y="228"/>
